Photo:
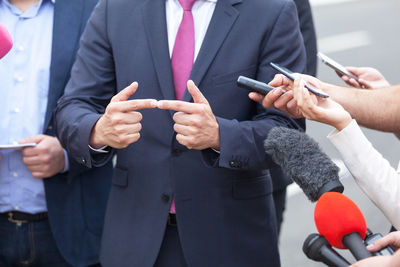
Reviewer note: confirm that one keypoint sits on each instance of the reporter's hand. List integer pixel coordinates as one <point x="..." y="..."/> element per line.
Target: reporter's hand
<point x="46" y="158"/>
<point x="369" y="78"/>
<point x="380" y="261"/>
<point x="284" y="102"/>
<point x="120" y="125"/>
<point x="392" y="239"/>
<point x="195" y="123"/>
<point x="319" y="109"/>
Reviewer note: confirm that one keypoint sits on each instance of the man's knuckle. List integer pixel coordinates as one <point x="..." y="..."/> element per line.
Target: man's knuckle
<point x="46" y="160"/>
<point x="203" y="109"/>
<point x="138" y="116"/>
<point x="116" y="120"/>
<point x="139" y="127"/>
<point x="119" y="130"/>
<point x="136" y="137"/>
<point x="111" y="108"/>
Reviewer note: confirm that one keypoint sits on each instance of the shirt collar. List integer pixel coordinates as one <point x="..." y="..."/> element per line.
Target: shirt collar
<point x="30" y="13"/>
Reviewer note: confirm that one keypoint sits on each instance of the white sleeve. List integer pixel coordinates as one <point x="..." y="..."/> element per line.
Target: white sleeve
<point x="374" y="174"/>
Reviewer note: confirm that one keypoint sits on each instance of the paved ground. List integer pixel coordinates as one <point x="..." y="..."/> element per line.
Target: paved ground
<point x="359" y="33"/>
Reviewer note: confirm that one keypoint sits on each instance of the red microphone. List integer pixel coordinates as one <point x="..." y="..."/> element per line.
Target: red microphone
<point x="341" y="222"/>
<point x="6" y="42"/>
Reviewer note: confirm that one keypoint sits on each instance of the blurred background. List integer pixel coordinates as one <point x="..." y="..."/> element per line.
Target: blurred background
<point x="354" y="33"/>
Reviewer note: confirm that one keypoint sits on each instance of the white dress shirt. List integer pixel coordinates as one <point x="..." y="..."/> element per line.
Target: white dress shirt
<point x="373" y="173"/>
<point x="202" y="12"/>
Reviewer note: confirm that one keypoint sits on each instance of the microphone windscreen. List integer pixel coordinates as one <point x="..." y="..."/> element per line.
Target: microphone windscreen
<point x="6" y="42"/>
<point x="301" y="159"/>
<point x="336" y="216"/>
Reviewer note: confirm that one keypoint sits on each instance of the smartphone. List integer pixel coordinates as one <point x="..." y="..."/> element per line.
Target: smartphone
<point x="336" y="66"/>
<point x="254" y="85"/>
<point x="288" y="73"/>
<point x="369" y="239"/>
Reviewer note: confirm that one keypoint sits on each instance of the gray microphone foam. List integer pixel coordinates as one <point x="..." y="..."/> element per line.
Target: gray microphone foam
<point x="301" y="158"/>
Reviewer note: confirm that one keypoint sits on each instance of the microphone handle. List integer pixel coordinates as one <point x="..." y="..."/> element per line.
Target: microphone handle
<point x="330" y="257"/>
<point x="356" y="246"/>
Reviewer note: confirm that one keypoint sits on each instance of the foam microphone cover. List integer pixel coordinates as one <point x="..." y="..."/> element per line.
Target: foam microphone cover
<point x="336" y="216"/>
<point x="6" y="42"/>
<point x="301" y="158"/>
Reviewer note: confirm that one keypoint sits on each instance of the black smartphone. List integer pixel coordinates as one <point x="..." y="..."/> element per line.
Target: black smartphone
<point x="288" y="73"/>
<point x="254" y="85"/>
<point x="336" y="66"/>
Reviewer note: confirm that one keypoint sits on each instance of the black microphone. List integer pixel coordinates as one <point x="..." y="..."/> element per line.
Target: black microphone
<point x="317" y="248"/>
<point x="300" y="158"/>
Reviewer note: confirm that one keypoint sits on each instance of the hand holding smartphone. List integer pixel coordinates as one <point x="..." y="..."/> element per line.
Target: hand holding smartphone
<point x="289" y="74"/>
<point x="336" y="66"/>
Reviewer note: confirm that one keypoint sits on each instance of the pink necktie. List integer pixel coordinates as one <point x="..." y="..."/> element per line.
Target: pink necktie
<point x="182" y="56"/>
<point x="183" y="52"/>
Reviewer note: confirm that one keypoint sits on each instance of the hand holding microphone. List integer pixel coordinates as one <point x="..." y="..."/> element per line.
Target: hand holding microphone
<point x="6" y="42"/>
<point x="383" y="246"/>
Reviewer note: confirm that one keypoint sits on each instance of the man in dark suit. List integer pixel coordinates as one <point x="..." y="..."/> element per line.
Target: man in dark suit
<point x="191" y="185"/>
<point x="51" y="208"/>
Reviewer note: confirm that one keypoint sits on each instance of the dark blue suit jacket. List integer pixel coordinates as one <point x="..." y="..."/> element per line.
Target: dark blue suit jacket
<point x="224" y="206"/>
<point x="76" y="200"/>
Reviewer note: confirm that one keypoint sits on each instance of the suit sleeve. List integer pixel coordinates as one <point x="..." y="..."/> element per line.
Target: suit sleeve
<point x="241" y="142"/>
<point x="89" y="90"/>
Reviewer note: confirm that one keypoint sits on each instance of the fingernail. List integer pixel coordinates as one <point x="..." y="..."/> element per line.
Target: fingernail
<point x="154" y="103"/>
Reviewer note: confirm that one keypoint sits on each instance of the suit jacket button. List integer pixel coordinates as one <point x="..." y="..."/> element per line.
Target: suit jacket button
<point x="50" y="127"/>
<point x="232" y="163"/>
<point x="165" y="197"/>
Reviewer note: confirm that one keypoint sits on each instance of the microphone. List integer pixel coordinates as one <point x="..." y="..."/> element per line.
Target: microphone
<point x="300" y="158"/>
<point x="6" y="42"/>
<point x="317" y="248"/>
<point x="341" y="222"/>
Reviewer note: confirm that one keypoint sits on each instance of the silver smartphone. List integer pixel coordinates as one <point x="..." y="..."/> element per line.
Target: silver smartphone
<point x="336" y="66"/>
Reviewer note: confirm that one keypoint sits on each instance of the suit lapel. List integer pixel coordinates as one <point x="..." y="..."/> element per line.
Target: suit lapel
<point x="66" y="28"/>
<point x="220" y="25"/>
<point x="154" y="20"/>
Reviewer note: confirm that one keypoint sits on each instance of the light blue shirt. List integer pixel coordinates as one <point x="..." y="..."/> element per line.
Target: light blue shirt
<point x="24" y="86"/>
